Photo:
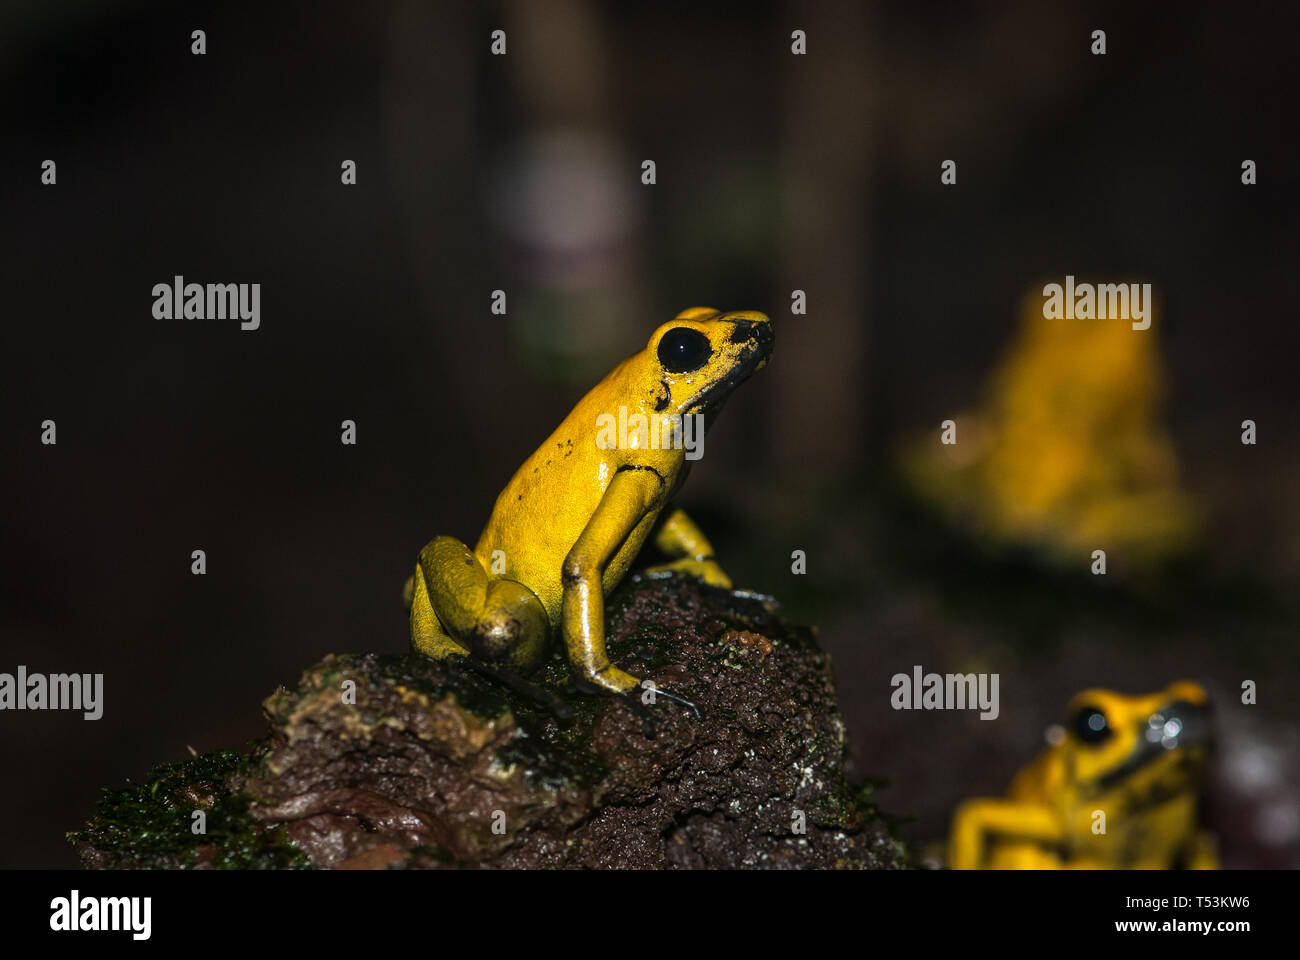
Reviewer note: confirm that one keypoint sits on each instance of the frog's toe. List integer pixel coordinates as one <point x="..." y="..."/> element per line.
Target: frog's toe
<point x="642" y="703"/>
<point x="653" y="693"/>
<point x="612" y="680"/>
<point x="706" y="570"/>
<point x="712" y="574"/>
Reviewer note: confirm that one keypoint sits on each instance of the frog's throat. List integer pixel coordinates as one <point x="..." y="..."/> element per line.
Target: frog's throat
<point x="710" y="400"/>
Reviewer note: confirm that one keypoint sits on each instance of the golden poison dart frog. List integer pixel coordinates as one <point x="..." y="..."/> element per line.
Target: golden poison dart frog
<point x="569" y="523"/>
<point x="1068" y="452"/>
<point x="1115" y="790"/>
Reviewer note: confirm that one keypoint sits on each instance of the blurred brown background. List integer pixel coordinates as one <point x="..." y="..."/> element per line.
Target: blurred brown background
<point x="475" y="173"/>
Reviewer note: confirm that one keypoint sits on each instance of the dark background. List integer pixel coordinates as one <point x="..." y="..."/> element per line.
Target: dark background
<point x="521" y="173"/>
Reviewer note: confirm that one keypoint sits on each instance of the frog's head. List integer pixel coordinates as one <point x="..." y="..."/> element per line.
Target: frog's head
<point x="700" y="356"/>
<point x="1150" y="746"/>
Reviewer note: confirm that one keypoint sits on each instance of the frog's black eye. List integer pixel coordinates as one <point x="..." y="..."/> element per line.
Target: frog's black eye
<point x="682" y="350"/>
<point x="1090" y="725"/>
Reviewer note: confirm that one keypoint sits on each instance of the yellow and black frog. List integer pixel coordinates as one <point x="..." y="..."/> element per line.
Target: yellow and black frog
<point x="568" y="525"/>
<point x="1117" y="788"/>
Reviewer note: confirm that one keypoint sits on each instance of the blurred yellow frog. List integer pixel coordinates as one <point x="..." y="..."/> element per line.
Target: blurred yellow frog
<point x="568" y="525"/>
<point x="1067" y="452"/>
<point x="1116" y="790"/>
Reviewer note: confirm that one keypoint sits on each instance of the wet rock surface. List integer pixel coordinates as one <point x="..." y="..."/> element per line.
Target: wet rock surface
<point x="379" y="761"/>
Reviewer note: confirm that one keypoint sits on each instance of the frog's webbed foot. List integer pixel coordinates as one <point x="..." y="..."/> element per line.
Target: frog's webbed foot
<point x="705" y="569"/>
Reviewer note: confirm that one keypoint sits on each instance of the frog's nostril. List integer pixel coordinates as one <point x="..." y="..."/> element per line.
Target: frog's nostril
<point x="763" y="337"/>
<point x="752" y="331"/>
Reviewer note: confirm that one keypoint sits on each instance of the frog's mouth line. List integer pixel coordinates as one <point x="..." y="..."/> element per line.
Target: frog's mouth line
<point x="1178" y="726"/>
<point x="710" y="400"/>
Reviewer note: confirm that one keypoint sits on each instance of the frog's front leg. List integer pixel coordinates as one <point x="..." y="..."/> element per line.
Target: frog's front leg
<point x="1204" y="852"/>
<point x="978" y="822"/>
<point x="678" y="537"/>
<point x="623" y="505"/>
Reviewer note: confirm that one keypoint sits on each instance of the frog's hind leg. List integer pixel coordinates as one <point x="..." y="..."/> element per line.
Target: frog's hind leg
<point x="456" y="582"/>
<point x="427" y="634"/>
<point x="457" y="610"/>
<point x="678" y="537"/>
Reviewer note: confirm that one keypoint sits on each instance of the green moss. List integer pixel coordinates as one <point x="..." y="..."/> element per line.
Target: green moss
<point x="558" y="753"/>
<point x="865" y="797"/>
<point x="150" y="824"/>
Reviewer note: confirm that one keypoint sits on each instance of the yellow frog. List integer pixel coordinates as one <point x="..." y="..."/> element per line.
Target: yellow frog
<point x="568" y="525"/>
<point x="1068" y="452"/>
<point x="1117" y="789"/>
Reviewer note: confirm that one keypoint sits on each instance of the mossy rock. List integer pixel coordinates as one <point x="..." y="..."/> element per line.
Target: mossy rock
<point x="399" y="761"/>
